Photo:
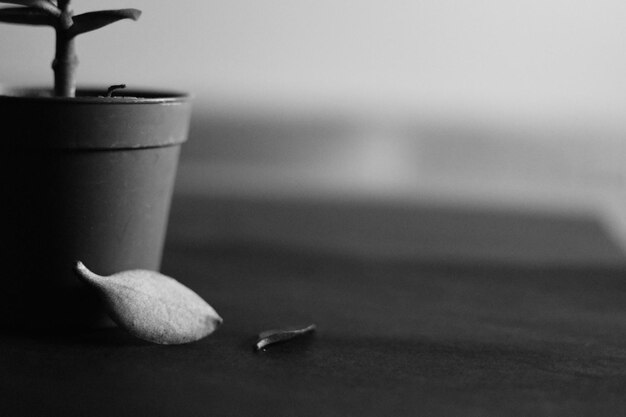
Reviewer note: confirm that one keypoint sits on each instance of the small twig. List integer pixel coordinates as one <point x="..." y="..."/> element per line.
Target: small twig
<point x="113" y="88"/>
<point x="271" y="337"/>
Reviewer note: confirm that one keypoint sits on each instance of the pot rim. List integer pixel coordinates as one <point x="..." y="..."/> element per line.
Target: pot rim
<point x="94" y="95"/>
<point x="33" y="119"/>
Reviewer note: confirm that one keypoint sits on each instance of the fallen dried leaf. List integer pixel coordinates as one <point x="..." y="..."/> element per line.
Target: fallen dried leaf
<point x="152" y="306"/>
<point x="271" y="337"/>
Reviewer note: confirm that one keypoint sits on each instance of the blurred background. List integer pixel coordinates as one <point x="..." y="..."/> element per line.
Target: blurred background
<point x="423" y="128"/>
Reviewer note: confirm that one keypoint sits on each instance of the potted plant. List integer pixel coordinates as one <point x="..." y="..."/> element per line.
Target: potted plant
<point x="86" y="174"/>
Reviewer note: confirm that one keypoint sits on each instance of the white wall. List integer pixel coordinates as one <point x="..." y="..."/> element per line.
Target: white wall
<point x="535" y="56"/>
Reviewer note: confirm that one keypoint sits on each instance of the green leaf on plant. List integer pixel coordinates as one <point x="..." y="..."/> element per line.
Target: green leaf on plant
<point x="38" y="4"/>
<point x="87" y="22"/>
<point x="27" y="16"/>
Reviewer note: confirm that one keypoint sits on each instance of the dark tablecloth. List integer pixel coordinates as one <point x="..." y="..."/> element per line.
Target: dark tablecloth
<point x="396" y="336"/>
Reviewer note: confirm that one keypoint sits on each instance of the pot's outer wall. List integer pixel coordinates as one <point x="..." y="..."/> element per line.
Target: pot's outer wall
<point x="104" y="204"/>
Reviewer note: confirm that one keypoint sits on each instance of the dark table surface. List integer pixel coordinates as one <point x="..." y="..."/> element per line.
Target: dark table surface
<point x="396" y="335"/>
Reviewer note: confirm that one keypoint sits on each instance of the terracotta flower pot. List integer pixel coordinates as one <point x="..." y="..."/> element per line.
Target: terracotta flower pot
<point x="87" y="178"/>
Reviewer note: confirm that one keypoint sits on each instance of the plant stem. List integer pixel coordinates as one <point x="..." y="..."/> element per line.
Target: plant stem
<point x="65" y="59"/>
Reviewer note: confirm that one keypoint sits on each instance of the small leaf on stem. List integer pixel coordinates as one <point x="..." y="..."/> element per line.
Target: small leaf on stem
<point x="87" y="22"/>
<point x="27" y="16"/>
<point x="38" y="4"/>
